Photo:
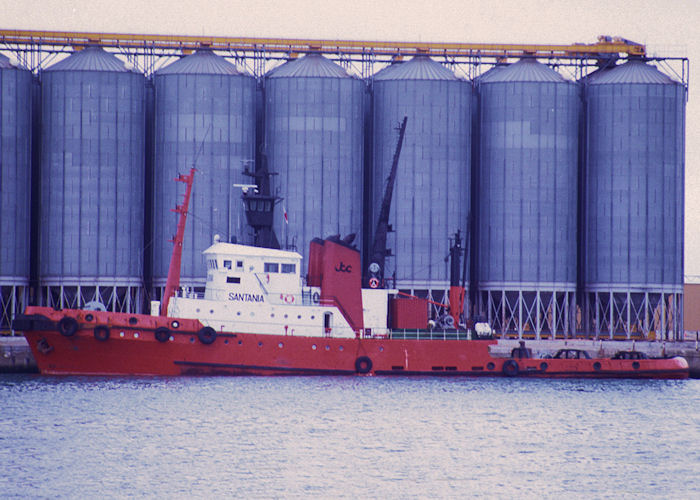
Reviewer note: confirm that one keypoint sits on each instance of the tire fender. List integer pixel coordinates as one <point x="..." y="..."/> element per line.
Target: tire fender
<point x="363" y="365"/>
<point x="68" y="326"/>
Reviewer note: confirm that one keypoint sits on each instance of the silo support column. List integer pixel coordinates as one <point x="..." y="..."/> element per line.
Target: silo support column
<point x="628" y="326"/>
<point x="611" y="307"/>
<point x="520" y="314"/>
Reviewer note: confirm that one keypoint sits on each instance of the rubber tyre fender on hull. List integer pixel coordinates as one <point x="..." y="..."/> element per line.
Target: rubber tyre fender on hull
<point x="511" y="368"/>
<point x="67" y="326"/>
<point x="101" y="333"/>
<point x="162" y="334"/>
<point x="363" y="365"/>
<point x="206" y="335"/>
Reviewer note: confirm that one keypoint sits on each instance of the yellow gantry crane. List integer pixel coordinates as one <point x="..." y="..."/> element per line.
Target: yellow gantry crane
<point x="185" y="43"/>
<point x="36" y="43"/>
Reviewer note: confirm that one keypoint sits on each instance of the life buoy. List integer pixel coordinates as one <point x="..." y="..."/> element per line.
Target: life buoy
<point x="206" y="335"/>
<point x="101" y="333"/>
<point x="510" y="368"/>
<point x="68" y="326"/>
<point x="289" y="299"/>
<point x="363" y="364"/>
<point x="162" y="334"/>
<point x="373" y="283"/>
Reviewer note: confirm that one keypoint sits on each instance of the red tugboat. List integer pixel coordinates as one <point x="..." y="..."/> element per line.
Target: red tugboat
<point x="258" y="318"/>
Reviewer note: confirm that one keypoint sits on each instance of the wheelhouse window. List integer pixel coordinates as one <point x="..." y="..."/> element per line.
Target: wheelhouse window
<point x="272" y="267"/>
<point x="239" y="264"/>
<point x="212" y="264"/>
<point x="227" y="264"/>
<point x="233" y="279"/>
<point x="256" y="205"/>
<point x="289" y="268"/>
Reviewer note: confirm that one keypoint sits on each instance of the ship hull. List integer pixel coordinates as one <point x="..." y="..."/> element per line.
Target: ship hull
<point x="105" y="343"/>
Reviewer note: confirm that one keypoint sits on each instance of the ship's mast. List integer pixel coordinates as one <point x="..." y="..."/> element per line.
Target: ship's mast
<point x="457" y="291"/>
<point x="379" y="250"/>
<point x="173" y="281"/>
<point x="259" y="206"/>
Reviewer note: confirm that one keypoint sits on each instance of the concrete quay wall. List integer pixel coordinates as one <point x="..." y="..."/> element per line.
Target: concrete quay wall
<point x="15" y="356"/>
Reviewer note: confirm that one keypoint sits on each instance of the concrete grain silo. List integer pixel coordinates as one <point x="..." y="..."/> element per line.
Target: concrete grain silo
<point x="633" y="202"/>
<point x="527" y="199"/>
<point x="432" y="190"/>
<point x="204" y="117"/>
<point x="15" y="178"/>
<point x="314" y="144"/>
<point x="92" y="182"/>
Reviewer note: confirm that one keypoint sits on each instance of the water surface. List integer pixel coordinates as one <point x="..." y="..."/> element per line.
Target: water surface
<point x="292" y="437"/>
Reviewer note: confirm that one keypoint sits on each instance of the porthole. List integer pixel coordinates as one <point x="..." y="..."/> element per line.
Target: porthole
<point x="252" y="313"/>
<point x="596" y="366"/>
<point x="490" y="366"/>
<point x="198" y="310"/>
<point x="286" y="316"/>
<point x="272" y="315"/>
<point x="175" y="324"/>
<point x="381" y="349"/>
<point x="259" y="344"/>
<point x="89" y="317"/>
<point x="313" y="317"/>
<point x="544" y="366"/>
<point x="136" y="335"/>
<point x="191" y="340"/>
<point x="211" y="311"/>
<point x="280" y="345"/>
<point x="238" y="313"/>
<point x="328" y="348"/>
<point x="226" y="341"/>
<point x="299" y="316"/>
<point x="340" y="348"/>
<point x="240" y="342"/>
<point x="121" y="334"/>
<point x="635" y="365"/>
<point x="132" y="320"/>
<point x="313" y="347"/>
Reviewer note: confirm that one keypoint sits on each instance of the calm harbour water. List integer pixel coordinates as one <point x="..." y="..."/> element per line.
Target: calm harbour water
<point x="71" y="437"/>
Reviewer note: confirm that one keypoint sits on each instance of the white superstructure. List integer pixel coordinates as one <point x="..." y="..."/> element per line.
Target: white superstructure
<point x="260" y="290"/>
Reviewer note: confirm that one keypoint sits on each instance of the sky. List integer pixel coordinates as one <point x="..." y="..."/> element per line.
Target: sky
<point x="669" y="28"/>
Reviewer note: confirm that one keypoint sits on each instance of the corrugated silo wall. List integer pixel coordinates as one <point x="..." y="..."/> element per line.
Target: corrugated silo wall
<point x="432" y="190"/>
<point x="92" y="177"/>
<point x="206" y="121"/>
<point x="634" y="207"/>
<point x="528" y="204"/>
<point x="15" y="177"/>
<point x="314" y="141"/>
